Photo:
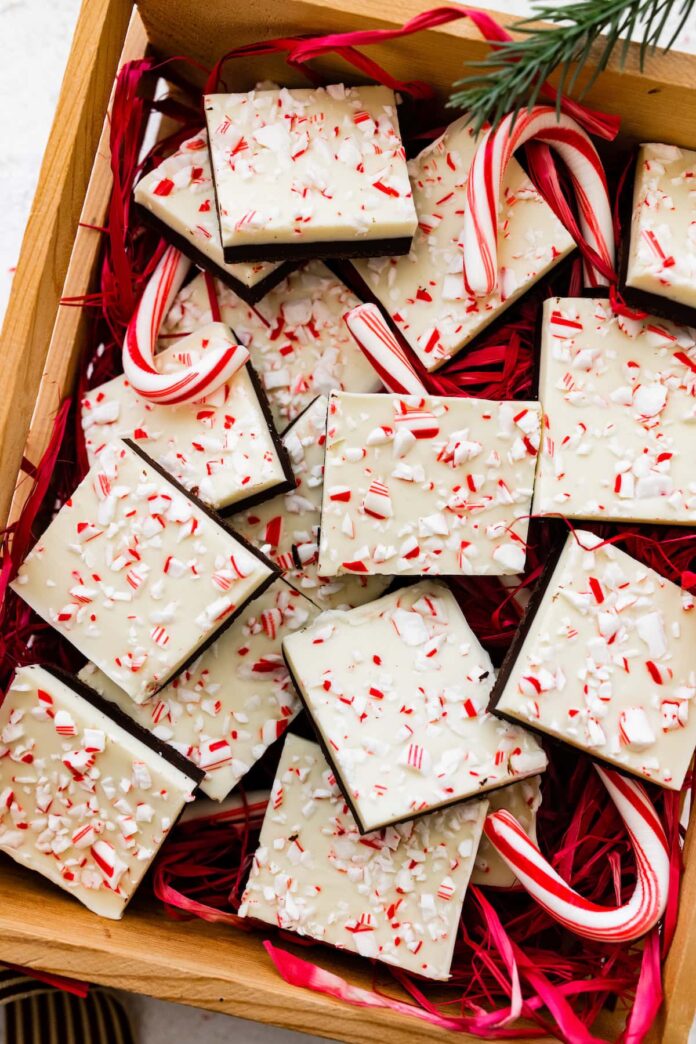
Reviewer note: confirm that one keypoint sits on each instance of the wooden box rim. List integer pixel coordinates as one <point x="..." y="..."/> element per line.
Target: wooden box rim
<point x="211" y="966"/>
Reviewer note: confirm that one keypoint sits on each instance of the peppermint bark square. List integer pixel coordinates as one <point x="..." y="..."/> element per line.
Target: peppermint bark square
<point x="138" y="575"/>
<point x="309" y="172"/>
<point x="619" y="416"/>
<point x="395" y="895"/>
<point x="397" y="691"/>
<point x="178" y="197"/>
<point x="424" y="292"/>
<point x="82" y="800"/>
<point x="604" y="662"/>
<point x="286" y="528"/>
<point x="659" y="270"/>
<point x="225" y="710"/>
<point x="427" y="485"/>
<point x="223" y="448"/>
<point x="296" y="337"/>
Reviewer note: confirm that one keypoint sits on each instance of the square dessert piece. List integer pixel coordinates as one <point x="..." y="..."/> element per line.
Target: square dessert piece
<point x="424" y="292"/>
<point x="286" y="528"/>
<point x="223" y="448"/>
<point x="137" y="574"/>
<point x="619" y="409"/>
<point x="604" y="661"/>
<point x="83" y="800"/>
<point x="178" y="198"/>
<point x="395" y="896"/>
<point x="522" y="800"/>
<point x="397" y="691"/>
<point x="226" y="709"/>
<point x="309" y="172"/>
<point x="427" y="485"/>
<point x="660" y="263"/>
<point x="296" y="337"/>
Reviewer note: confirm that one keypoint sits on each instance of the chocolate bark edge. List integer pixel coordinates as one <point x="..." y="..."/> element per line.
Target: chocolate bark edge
<point x="317" y="249"/>
<point x="249" y="294"/>
<point x="288" y="483"/>
<point x="559" y="541"/>
<point x="122" y="719"/>
<point x="644" y="300"/>
<point x="275" y="570"/>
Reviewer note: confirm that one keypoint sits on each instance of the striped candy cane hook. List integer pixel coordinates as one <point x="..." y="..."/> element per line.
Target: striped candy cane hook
<point x="382" y="350"/>
<point x="190" y="383"/>
<point x="494" y="151"/>
<point x="606" y="924"/>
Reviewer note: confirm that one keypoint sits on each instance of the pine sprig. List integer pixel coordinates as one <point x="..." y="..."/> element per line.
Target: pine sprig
<point x="511" y="76"/>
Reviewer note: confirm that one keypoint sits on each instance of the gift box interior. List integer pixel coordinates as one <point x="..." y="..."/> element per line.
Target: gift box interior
<point x="209" y="965"/>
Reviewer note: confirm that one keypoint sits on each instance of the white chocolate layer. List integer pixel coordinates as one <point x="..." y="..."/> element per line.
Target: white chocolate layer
<point x="220" y="447"/>
<point x="286" y="528"/>
<point x="662" y="249"/>
<point x="180" y="193"/>
<point x="423" y="292"/>
<point x="225" y="710"/>
<point x="81" y="800"/>
<point x="309" y="165"/>
<point x="136" y="575"/>
<point x="398" y="690"/>
<point x="395" y="895"/>
<point x="296" y="337"/>
<point x="430" y="485"/>
<point x="607" y="664"/>
<point x="522" y="800"/>
<point x="619" y="403"/>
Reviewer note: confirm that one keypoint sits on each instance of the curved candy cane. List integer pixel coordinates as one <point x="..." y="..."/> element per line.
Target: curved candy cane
<point x="619" y="924"/>
<point x="493" y="153"/>
<point x="190" y="383"/>
<point x="382" y="350"/>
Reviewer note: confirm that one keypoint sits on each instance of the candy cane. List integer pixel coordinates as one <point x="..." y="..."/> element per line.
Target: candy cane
<point x="493" y="153"/>
<point x="622" y="923"/>
<point x="382" y="350"/>
<point x="190" y="383"/>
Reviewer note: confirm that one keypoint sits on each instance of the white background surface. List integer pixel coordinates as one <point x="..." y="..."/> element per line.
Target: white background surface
<point x="35" y="64"/>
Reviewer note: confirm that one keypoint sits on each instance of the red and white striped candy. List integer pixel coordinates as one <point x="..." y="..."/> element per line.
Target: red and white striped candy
<point x="607" y="924"/>
<point x="494" y="152"/>
<point x="190" y="383"/>
<point x="382" y="350"/>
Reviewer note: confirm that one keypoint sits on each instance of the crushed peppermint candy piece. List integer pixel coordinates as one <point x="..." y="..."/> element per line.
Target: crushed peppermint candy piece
<point x="295" y="336"/>
<point x="522" y="800"/>
<point x="434" y="485"/>
<point x="69" y="799"/>
<point x="136" y="574"/>
<point x="180" y="194"/>
<point x="301" y="167"/>
<point x="286" y="528"/>
<point x="222" y="448"/>
<point x="225" y="710"/>
<point x="397" y="690"/>
<point x="619" y="404"/>
<point x="662" y="248"/>
<point x="395" y="895"/>
<point x="606" y="663"/>
<point x="424" y="293"/>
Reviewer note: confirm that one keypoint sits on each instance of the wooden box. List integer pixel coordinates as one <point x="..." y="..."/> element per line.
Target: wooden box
<point x="206" y="965"/>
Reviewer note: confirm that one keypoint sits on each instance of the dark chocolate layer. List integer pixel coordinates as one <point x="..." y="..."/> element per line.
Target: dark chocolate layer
<point x="318" y="249"/>
<point x="250" y="294"/>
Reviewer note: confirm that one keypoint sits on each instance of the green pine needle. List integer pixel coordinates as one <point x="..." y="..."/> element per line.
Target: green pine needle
<point x="511" y="76"/>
